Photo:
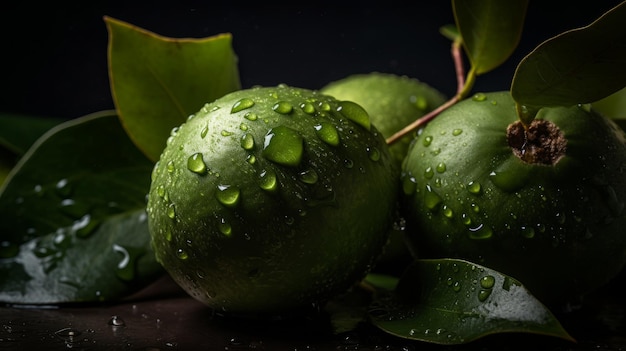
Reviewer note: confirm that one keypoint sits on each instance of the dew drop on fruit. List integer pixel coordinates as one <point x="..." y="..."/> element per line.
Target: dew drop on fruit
<point x="447" y="212"/>
<point x="474" y="188"/>
<point x="427" y="141"/>
<point x="282" y="107"/>
<point x="432" y="200"/>
<point x="171" y="211"/>
<point x="355" y="113"/>
<point x="268" y="180"/>
<point x="308" y="108"/>
<point x="441" y="167"/>
<point x="528" y="232"/>
<point x="204" y="132"/>
<point x="507" y="180"/>
<point x="308" y="176"/>
<point x="170" y="166"/>
<point x="195" y="163"/>
<point x="228" y="195"/>
<point x="247" y="141"/>
<point x="457" y="132"/>
<point x="409" y="184"/>
<point x="483" y="294"/>
<point x="284" y="146"/>
<point x="480" y="232"/>
<point x="242" y="105"/>
<point x="324" y="106"/>
<point x="373" y="153"/>
<point x="479" y="97"/>
<point x="348" y="163"/>
<point x="487" y="282"/>
<point x="224" y="227"/>
<point x="429" y="173"/>
<point x="327" y="133"/>
<point x="182" y="254"/>
<point x="250" y="116"/>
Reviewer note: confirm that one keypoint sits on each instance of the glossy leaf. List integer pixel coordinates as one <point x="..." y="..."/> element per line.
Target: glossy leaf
<point x="70" y="210"/>
<point x="451" y="301"/>
<point x="157" y="82"/>
<point x="491" y="30"/>
<point x="579" y="66"/>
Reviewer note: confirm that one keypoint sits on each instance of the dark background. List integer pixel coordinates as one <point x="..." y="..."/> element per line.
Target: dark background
<point x="53" y="55"/>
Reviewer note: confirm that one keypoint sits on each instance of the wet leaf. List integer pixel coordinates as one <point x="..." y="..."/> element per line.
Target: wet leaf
<point x="157" y="82"/>
<point x="578" y="66"/>
<point x="70" y="212"/>
<point x="451" y="301"/>
<point x="491" y="30"/>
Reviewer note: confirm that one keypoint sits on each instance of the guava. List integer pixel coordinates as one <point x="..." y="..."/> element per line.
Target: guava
<point x="270" y="200"/>
<point x="543" y="204"/>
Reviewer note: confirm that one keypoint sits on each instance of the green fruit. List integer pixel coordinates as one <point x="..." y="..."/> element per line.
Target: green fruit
<point x="272" y="199"/>
<point x="547" y="209"/>
<point x="392" y="102"/>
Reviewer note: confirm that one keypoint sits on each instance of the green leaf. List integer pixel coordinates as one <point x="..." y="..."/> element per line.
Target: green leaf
<point x="158" y="82"/>
<point x="578" y="66"/>
<point x="19" y="132"/>
<point x="491" y="30"/>
<point x="70" y="211"/>
<point x="452" y="301"/>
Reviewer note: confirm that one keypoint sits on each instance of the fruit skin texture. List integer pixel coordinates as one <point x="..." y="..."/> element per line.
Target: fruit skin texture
<point x="392" y="102"/>
<point x="556" y="228"/>
<point x="290" y="204"/>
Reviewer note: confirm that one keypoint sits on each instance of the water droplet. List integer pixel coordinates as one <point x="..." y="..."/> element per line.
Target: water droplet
<point x="242" y="105"/>
<point x="308" y="176"/>
<point x="427" y="140"/>
<point x="327" y="133"/>
<point x="483" y="294"/>
<point x="479" y="97"/>
<point x="487" y="282"/>
<point x="348" y="163"/>
<point x="429" y="173"/>
<point x="441" y="167"/>
<point x="373" y="153"/>
<point x="170" y="166"/>
<point x="63" y="188"/>
<point x="466" y="219"/>
<point x="247" y="141"/>
<point x="431" y="199"/>
<point x="250" y="116"/>
<point x="251" y="159"/>
<point x="447" y="211"/>
<point x="224" y="227"/>
<point x="160" y="190"/>
<point x="474" y="188"/>
<point x="409" y="185"/>
<point x="268" y="181"/>
<point x="116" y="321"/>
<point x="284" y="146"/>
<point x="480" y="232"/>
<point x="528" y="232"/>
<point x="182" y="254"/>
<point x="204" y="132"/>
<point x="171" y="211"/>
<point x="308" y="108"/>
<point x="69" y="335"/>
<point x="282" y="107"/>
<point x="84" y="226"/>
<point x="228" y="196"/>
<point x="126" y="266"/>
<point x="226" y="133"/>
<point x="419" y="101"/>
<point x="195" y="163"/>
<point x="355" y="113"/>
<point x="508" y="180"/>
<point x="324" y="106"/>
<point x="457" y="132"/>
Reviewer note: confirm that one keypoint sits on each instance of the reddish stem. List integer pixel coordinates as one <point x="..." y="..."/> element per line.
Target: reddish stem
<point x="460" y="77"/>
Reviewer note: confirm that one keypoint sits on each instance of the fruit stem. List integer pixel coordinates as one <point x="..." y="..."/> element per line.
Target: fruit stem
<point x="463" y="89"/>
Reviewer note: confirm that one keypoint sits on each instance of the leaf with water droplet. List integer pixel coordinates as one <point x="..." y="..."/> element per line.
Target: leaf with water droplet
<point x="575" y="67"/>
<point x="69" y="199"/>
<point x="449" y="301"/>
<point x="490" y="30"/>
<point x="155" y="79"/>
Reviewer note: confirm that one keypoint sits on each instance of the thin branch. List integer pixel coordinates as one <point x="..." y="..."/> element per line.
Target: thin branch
<point x="460" y="77"/>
